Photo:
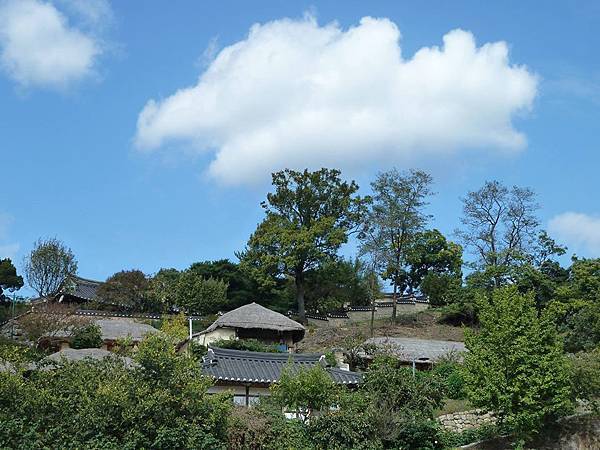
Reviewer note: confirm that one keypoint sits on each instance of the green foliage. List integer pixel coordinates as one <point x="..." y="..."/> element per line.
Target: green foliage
<point x="394" y="221"/>
<point x="308" y="218"/>
<point x="515" y="366"/>
<point x="251" y="345"/>
<point x="9" y="280"/>
<point x="452" y="375"/>
<point x="336" y="283"/>
<point x="48" y="266"/>
<point x="200" y="295"/>
<point x="265" y="428"/>
<point x="585" y="377"/>
<point x="128" y="289"/>
<point x="308" y="391"/>
<point x="89" y="336"/>
<point x="433" y="267"/>
<point x="102" y="404"/>
<point x="450" y="439"/>
<point x="176" y="327"/>
<point x="349" y="425"/>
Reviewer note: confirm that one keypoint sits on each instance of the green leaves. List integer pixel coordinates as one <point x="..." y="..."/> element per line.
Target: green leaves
<point x="308" y="218"/>
<point x="515" y="366"/>
<point x="103" y="404"/>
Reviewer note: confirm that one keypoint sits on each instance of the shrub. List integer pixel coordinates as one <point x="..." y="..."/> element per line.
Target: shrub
<point x="251" y="345"/>
<point x="89" y="336"/>
<point x="453" y="379"/>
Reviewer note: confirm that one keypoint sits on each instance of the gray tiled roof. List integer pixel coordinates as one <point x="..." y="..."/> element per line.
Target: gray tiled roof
<point x="83" y="288"/>
<point x="266" y="368"/>
<point x="254" y="315"/>
<point x="425" y="350"/>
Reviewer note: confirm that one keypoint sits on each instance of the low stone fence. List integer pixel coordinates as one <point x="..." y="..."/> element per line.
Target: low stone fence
<point x="465" y="420"/>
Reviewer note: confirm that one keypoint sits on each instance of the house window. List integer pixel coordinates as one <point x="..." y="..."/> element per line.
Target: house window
<point x="239" y="400"/>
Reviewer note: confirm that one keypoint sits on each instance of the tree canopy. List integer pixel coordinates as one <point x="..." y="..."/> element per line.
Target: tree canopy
<point x="48" y="265"/>
<point x="308" y="217"/>
<point x="9" y="280"/>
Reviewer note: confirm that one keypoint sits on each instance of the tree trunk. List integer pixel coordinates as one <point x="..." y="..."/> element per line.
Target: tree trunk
<point x="300" y="296"/>
<point x="394" y="302"/>
<point x="372" y="307"/>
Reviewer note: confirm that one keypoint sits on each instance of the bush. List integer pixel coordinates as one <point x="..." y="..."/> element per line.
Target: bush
<point x="453" y="379"/>
<point x="251" y="345"/>
<point x="585" y="376"/>
<point x="264" y="427"/>
<point x="103" y="404"/>
<point x="89" y="336"/>
<point x="450" y="439"/>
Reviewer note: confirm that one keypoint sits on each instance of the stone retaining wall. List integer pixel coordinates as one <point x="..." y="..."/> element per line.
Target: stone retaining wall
<point x="465" y="420"/>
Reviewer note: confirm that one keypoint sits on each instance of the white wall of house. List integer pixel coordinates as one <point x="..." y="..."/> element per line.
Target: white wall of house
<point x="239" y="393"/>
<point x="215" y="335"/>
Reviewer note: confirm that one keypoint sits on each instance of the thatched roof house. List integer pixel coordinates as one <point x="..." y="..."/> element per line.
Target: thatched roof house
<point x="256" y="322"/>
<point x="74" y="355"/>
<point x="422" y="352"/>
<point x="111" y="330"/>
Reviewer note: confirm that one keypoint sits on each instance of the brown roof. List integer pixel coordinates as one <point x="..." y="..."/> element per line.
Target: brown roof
<point x="255" y="316"/>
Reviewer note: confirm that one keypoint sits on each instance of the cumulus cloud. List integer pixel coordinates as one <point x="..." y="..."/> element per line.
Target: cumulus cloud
<point x="296" y="94"/>
<point x="579" y="231"/>
<point x="40" y="47"/>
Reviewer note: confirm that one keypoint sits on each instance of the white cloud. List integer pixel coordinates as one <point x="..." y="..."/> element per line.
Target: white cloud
<point x="579" y="231"/>
<point x="39" y="47"/>
<point x="296" y="94"/>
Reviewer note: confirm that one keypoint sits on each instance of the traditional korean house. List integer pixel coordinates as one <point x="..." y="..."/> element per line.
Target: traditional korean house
<point x="250" y="374"/>
<point x="420" y="353"/>
<point x="111" y="330"/>
<point x="75" y="355"/>
<point x="254" y="321"/>
<point x="78" y="290"/>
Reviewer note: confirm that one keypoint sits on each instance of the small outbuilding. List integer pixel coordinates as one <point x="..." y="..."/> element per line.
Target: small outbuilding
<point x="254" y="321"/>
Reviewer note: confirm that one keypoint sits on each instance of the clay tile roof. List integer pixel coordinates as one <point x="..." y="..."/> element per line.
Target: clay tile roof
<point x="265" y="368"/>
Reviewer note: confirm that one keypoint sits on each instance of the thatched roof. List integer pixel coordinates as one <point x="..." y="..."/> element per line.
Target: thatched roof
<point x="76" y="355"/>
<point x="115" y="328"/>
<point x="418" y="350"/>
<point x="256" y="317"/>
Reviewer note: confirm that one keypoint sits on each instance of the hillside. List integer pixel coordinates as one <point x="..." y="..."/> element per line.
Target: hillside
<point x="423" y="325"/>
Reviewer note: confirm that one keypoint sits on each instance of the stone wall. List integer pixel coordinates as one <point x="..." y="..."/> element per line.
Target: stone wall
<point x="364" y="315"/>
<point x="465" y="420"/>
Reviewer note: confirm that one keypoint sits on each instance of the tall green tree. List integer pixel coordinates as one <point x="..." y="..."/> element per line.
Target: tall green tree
<point x="9" y="280"/>
<point x="515" y="366"/>
<point x="128" y="289"/>
<point x="308" y="217"/>
<point x="199" y="295"/>
<point x="434" y="267"/>
<point x="394" y="220"/>
<point x="48" y="265"/>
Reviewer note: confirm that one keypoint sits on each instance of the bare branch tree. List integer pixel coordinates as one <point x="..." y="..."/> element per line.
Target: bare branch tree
<point x="500" y="225"/>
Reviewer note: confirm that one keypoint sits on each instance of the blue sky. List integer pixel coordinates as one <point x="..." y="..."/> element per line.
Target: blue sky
<point x="96" y="149"/>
